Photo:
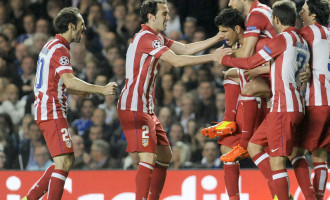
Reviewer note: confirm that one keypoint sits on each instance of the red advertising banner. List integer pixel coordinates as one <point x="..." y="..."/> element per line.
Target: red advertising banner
<point x="120" y="185"/>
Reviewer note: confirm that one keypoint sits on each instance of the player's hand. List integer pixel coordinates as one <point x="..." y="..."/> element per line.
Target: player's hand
<point x="87" y="94"/>
<point x="306" y="75"/>
<point x="219" y="53"/>
<point x="110" y="89"/>
<point x="219" y="35"/>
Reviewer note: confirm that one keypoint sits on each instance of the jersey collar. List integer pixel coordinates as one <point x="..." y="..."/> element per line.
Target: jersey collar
<point x="63" y="41"/>
<point x="147" y="28"/>
<point x="291" y="28"/>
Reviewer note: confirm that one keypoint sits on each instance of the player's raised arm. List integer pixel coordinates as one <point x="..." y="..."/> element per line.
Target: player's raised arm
<point x="192" y="48"/>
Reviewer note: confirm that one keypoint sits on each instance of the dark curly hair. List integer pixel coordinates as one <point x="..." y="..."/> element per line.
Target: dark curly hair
<point x="64" y="18"/>
<point x="321" y="9"/>
<point x="149" y="6"/>
<point x="230" y="18"/>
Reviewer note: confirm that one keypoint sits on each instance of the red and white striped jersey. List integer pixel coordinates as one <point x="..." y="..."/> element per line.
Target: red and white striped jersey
<point x="291" y="55"/>
<point x="318" y="90"/>
<point x="49" y="90"/>
<point x="142" y="65"/>
<point x="258" y="23"/>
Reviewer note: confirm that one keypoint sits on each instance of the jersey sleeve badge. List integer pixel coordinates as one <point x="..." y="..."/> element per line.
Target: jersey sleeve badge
<point x="156" y="44"/>
<point x="64" y="60"/>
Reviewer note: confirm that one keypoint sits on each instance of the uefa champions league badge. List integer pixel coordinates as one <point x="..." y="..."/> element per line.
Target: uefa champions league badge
<point x="64" y="60"/>
<point x="145" y="142"/>
<point x="68" y="144"/>
<point x="156" y="44"/>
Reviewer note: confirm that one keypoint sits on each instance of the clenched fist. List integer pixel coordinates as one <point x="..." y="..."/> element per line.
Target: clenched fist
<point x="110" y="89"/>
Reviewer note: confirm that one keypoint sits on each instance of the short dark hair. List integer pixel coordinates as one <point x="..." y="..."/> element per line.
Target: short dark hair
<point x="230" y="18"/>
<point x="321" y="9"/>
<point x="149" y="6"/>
<point x="64" y="18"/>
<point x="285" y="10"/>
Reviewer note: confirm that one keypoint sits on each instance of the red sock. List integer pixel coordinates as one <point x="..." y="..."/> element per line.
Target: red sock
<point x="158" y="180"/>
<point x="320" y="179"/>
<point x="262" y="162"/>
<point x="281" y="184"/>
<point x="41" y="187"/>
<point x="232" y="92"/>
<point x="302" y="171"/>
<point x="142" y="180"/>
<point x="56" y="184"/>
<point x="231" y="175"/>
<point x="250" y="111"/>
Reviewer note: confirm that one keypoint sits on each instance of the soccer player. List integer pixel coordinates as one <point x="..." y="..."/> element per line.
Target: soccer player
<point x="258" y="26"/>
<point x="290" y="54"/>
<point x="142" y="129"/>
<point x="316" y="132"/>
<point x="231" y="24"/>
<point x="54" y="78"/>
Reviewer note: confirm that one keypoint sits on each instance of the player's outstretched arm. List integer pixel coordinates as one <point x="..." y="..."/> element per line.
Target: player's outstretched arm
<point x="192" y="48"/>
<point x="75" y="84"/>
<point x="247" y="49"/>
<point x="186" y="60"/>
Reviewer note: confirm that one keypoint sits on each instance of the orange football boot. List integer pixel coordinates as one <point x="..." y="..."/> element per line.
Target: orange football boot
<point x="220" y="129"/>
<point x="237" y="153"/>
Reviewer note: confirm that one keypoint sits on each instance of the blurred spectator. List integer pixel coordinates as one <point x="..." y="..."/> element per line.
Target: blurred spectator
<point x="110" y="108"/>
<point x="29" y="23"/>
<point x="130" y="28"/>
<point x="26" y="152"/>
<point x="197" y="144"/>
<point x="119" y="73"/>
<point x="176" y="134"/>
<point x="81" y="156"/>
<point x="181" y="156"/>
<point x="91" y="70"/>
<point x="79" y="53"/>
<point x="23" y="131"/>
<point x="17" y="13"/>
<point x="6" y="50"/>
<point x="53" y="8"/>
<point x="95" y="132"/>
<point x="100" y="156"/>
<point x="37" y="42"/>
<point x="20" y="52"/>
<point x="3" y="15"/>
<point x="188" y="110"/>
<point x="94" y="15"/>
<point x="43" y="26"/>
<point x="174" y="24"/>
<point x="205" y="109"/>
<point x="218" y="74"/>
<point x="3" y="93"/>
<point x="164" y="93"/>
<point x="10" y="31"/>
<point x="178" y="90"/>
<point x="98" y="119"/>
<point x="220" y="105"/>
<point x="210" y="155"/>
<point x="86" y="111"/>
<point x="165" y="118"/>
<point x="131" y="161"/>
<point x="13" y="106"/>
<point x="189" y="28"/>
<point x="25" y="83"/>
<point x="42" y="158"/>
<point x="2" y="159"/>
<point x="189" y="78"/>
<point x="133" y="6"/>
<point x="120" y="12"/>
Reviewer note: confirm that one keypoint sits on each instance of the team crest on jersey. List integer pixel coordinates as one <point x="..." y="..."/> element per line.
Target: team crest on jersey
<point x="68" y="144"/>
<point x="145" y="142"/>
<point x="64" y="60"/>
<point x="156" y="44"/>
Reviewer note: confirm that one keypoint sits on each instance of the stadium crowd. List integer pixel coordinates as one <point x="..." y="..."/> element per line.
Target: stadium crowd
<point x="187" y="99"/>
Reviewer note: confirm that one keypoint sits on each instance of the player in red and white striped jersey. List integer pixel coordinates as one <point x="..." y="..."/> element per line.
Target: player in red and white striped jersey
<point x="54" y="78"/>
<point x="142" y="129"/>
<point x="316" y="130"/>
<point x="291" y="54"/>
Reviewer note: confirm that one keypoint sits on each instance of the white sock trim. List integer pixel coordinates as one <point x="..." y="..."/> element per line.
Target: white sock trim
<point x="162" y="164"/>
<point x="146" y="165"/>
<point x="59" y="176"/>
<point x="323" y="178"/>
<point x="297" y="158"/>
<point x="261" y="158"/>
<point x="248" y="98"/>
<point x="280" y="175"/>
<point x="229" y="81"/>
<point x="321" y="166"/>
<point x="230" y="163"/>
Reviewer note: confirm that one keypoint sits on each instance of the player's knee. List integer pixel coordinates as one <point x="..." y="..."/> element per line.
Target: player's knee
<point x="319" y="155"/>
<point x="231" y="74"/>
<point x="254" y="149"/>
